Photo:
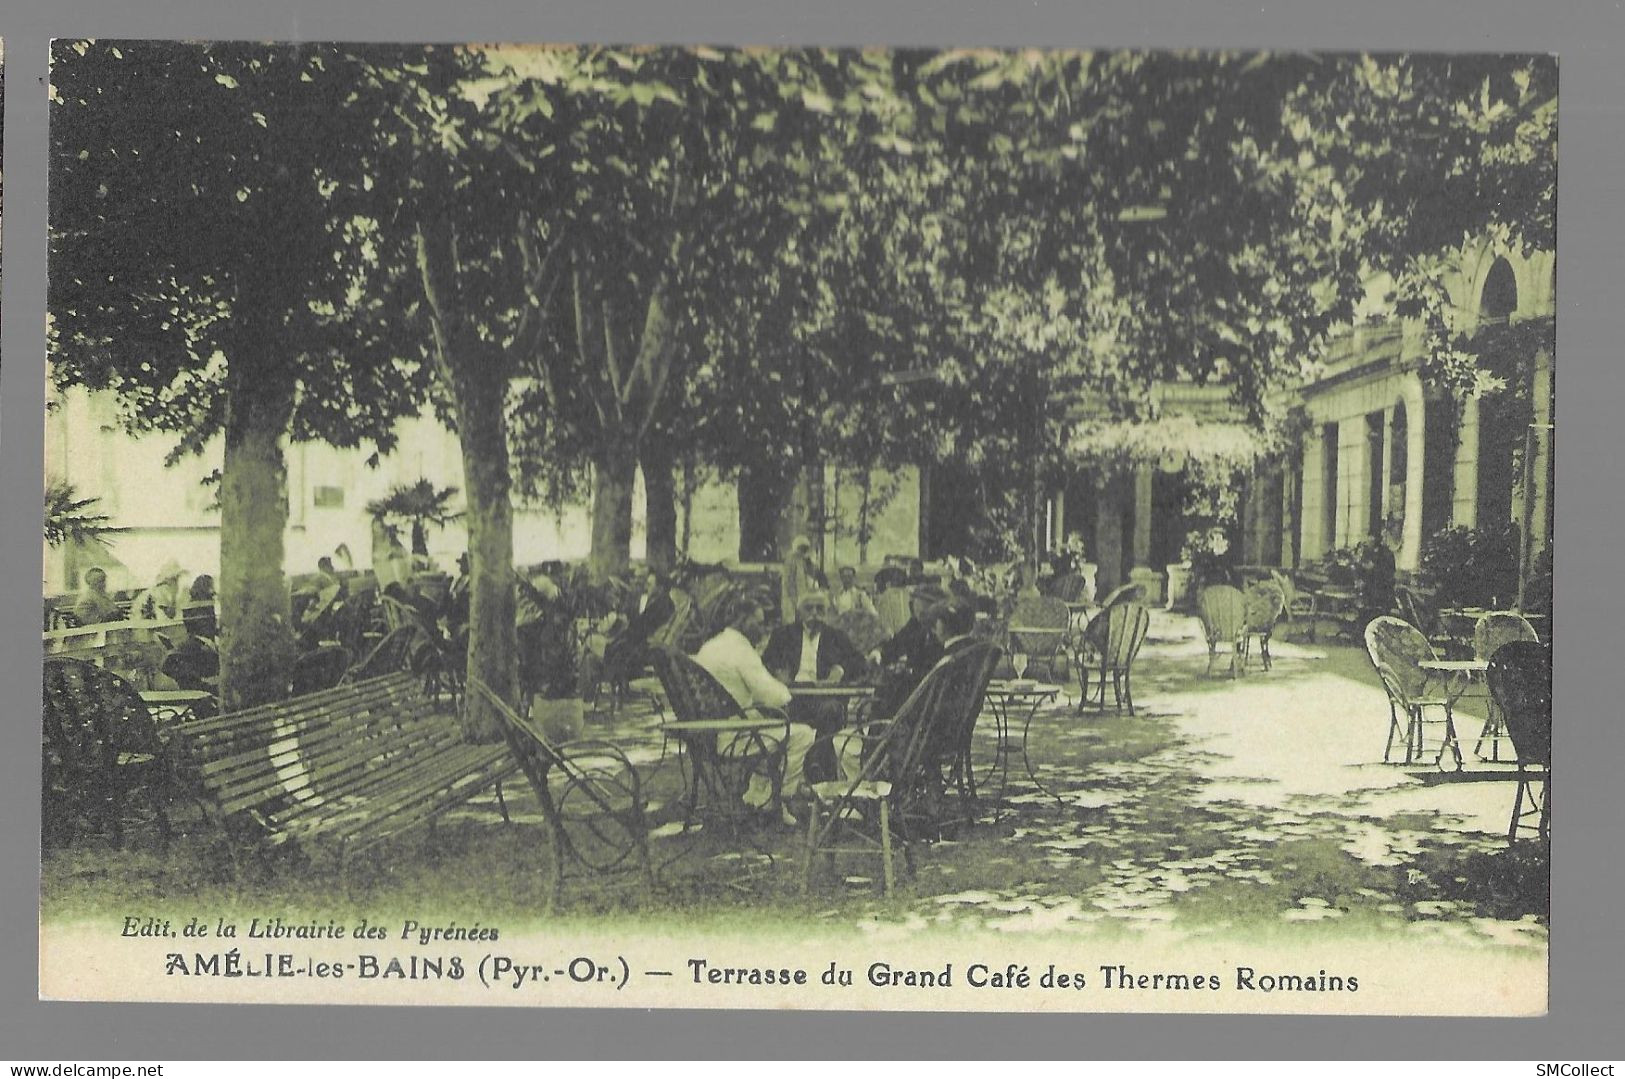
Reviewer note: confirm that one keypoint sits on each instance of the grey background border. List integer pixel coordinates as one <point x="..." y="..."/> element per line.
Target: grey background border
<point x="1587" y="1000"/>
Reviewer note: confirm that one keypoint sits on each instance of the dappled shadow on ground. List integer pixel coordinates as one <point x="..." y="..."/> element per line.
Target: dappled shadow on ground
<point x="1257" y="805"/>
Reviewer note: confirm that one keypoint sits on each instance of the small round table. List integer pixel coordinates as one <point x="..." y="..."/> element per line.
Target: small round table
<point x="1006" y="699"/>
<point x="1458" y="675"/>
<point x="717" y="780"/>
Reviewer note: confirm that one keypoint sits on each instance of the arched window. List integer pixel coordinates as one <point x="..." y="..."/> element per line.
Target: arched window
<point x="1500" y="297"/>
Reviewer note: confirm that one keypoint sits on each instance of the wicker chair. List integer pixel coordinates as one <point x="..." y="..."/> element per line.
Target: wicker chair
<point x="1110" y="643"/>
<point x="1038" y="630"/>
<point x="104" y="765"/>
<point x="1397" y="650"/>
<point x="1489" y="633"/>
<point x="1266" y="602"/>
<point x="912" y="764"/>
<point x="863" y="628"/>
<point x="1224" y="621"/>
<point x="1520" y="679"/>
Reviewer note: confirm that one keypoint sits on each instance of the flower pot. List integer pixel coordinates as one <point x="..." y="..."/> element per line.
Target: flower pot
<point x="1179" y="583"/>
<point x="559" y="719"/>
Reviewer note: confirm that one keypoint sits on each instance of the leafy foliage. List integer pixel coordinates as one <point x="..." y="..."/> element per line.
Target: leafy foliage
<point x="1472" y="567"/>
<point x="419" y="503"/>
<point x="68" y="518"/>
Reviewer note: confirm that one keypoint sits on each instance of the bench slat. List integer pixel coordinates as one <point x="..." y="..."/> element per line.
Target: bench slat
<point x="400" y="685"/>
<point x="293" y="770"/>
<point x="497" y="765"/>
<point x="249" y="760"/>
<point x="418" y="786"/>
<point x="361" y="775"/>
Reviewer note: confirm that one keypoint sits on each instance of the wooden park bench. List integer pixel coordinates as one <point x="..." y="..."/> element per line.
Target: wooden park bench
<point x="342" y="769"/>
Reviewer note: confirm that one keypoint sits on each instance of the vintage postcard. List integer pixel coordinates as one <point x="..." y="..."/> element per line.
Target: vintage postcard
<point x="597" y="525"/>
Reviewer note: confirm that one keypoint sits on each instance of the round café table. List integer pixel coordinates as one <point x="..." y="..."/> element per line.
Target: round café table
<point x="720" y="753"/>
<point x="1457" y="674"/>
<point x="1010" y="700"/>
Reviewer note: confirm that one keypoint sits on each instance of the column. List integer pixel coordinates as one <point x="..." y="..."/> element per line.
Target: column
<point x="1465" y="509"/>
<point x="1143" y="574"/>
<point x="1108" y="545"/>
<point x="1387" y="466"/>
<point x="1416" y="421"/>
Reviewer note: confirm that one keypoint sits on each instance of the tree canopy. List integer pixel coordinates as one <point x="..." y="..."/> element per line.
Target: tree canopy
<point x="593" y="259"/>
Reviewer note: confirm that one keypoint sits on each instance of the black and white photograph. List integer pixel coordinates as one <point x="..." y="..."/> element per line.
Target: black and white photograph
<point x="628" y="525"/>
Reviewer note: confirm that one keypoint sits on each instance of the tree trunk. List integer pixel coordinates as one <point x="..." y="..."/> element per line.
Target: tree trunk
<point x="689" y="483"/>
<point x="477" y="378"/>
<point x="760" y="494"/>
<point x="863" y="515"/>
<point x="257" y="647"/>
<point x="614" y="472"/>
<point x="660" y="513"/>
<point x="493" y="645"/>
<point x="795" y="509"/>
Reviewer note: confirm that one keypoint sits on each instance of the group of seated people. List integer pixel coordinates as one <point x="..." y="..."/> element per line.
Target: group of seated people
<point x="810" y="651"/>
<point x="162" y="601"/>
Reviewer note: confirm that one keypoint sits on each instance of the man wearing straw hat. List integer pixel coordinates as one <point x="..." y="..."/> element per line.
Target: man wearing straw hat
<point x="163" y="599"/>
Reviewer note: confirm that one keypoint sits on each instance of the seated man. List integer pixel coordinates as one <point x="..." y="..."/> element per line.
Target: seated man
<point x="628" y="653"/>
<point x="911" y="652"/>
<point x="955" y="624"/>
<point x="731" y="659"/>
<point x="851" y="596"/>
<point x="809" y="651"/>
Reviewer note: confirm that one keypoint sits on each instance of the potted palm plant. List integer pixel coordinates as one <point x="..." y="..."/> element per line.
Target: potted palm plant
<point x="419" y="504"/>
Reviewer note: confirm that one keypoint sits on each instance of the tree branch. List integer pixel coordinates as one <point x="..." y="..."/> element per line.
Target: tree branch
<point x="538" y="271"/>
<point x="581" y="346"/>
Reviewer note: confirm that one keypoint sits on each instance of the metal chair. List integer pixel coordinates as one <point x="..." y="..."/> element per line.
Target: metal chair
<point x="591" y="796"/>
<point x="1223" y="611"/>
<point x="1110" y="643"/>
<point x="1520" y="679"/>
<point x="1419" y="612"/>
<point x="1489" y="633"/>
<point x="104" y="764"/>
<point x="1396" y="649"/>
<point x="386" y="657"/>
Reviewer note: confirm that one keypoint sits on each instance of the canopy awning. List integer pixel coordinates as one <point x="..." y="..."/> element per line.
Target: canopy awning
<point x="1169" y="443"/>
